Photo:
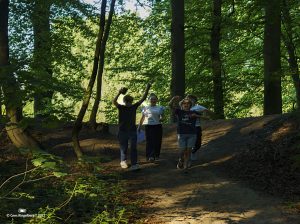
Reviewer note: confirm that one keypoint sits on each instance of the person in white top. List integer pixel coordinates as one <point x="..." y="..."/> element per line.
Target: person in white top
<point x="152" y="116"/>
<point x="205" y="113"/>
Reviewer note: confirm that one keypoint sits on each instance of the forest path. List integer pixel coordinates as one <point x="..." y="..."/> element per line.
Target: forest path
<point x="204" y="194"/>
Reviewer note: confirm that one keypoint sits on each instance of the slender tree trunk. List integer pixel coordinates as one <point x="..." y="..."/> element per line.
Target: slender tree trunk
<point x="272" y="64"/>
<point x="78" y="123"/>
<point x="93" y="116"/>
<point x="42" y="57"/>
<point x="177" y="45"/>
<point x="12" y="100"/>
<point x="216" y="59"/>
<point x="289" y="44"/>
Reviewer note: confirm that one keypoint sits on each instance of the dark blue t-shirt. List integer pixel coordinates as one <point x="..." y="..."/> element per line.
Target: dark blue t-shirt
<point x="127" y="116"/>
<point x="186" y="123"/>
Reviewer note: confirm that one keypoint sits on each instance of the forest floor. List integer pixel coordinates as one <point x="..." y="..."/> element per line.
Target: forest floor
<point x="211" y="192"/>
<point x="236" y="178"/>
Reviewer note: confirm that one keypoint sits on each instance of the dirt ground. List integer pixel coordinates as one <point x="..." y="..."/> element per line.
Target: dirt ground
<point x="203" y="195"/>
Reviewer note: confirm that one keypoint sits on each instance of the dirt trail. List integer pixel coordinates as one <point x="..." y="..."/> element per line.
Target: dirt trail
<point x="204" y="194"/>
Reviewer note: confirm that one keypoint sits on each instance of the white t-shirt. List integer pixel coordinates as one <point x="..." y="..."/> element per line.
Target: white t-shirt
<point x="198" y="108"/>
<point x="152" y="114"/>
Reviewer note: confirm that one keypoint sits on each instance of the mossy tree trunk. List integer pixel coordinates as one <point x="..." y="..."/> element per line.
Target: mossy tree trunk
<point x="12" y="99"/>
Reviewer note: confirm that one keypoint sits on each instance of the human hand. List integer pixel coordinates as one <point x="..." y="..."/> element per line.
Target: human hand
<point x="177" y="97"/>
<point x="194" y="115"/>
<point x="123" y="90"/>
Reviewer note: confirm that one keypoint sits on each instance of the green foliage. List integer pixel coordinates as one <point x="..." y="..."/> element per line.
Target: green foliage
<point x="138" y="51"/>
<point x="45" y="215"/>
<point x="49" y="163"/>
<point x="85" y="197"/>
<point x="67" y="65"/>
<point x="104" y="218"/>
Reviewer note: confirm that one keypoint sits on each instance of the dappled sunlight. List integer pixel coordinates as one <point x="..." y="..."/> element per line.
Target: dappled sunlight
<point x="215" y="162"/>
<point x="281" y="132"/>
<point x="210" y="202"/>
<point x="256" y="124"/>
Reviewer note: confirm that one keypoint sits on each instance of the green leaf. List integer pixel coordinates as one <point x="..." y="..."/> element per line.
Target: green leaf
<point x="59" y="174"/>
<point x="50" y="165"/>
<point x="38" y="161"/>
<point x="93" y="195"/>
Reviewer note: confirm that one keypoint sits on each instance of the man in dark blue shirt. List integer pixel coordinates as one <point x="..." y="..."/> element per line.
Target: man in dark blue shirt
<point x="127" y="127"/>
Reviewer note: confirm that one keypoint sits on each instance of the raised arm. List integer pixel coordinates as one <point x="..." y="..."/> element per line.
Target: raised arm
<point x="208" y="114"/>
<point x="145" y="94"/>
<point x="174" y="100"/>
<point x="196" y="115"/>
<point x="121" y="91"/>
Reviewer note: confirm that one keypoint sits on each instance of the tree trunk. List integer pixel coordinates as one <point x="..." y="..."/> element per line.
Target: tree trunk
<point x="177" y="51"/>
<point x="78" y="123"/>
<point x="177" y="45"/>
<point x="272" y="64"/>
<point x="12" y="100"/>
<point x="19" y="136"/>
<point x="42" y="57"/>
<point x="216" y="59"/>
<point x="93" y="116"/>
<point x="289" y="44"/>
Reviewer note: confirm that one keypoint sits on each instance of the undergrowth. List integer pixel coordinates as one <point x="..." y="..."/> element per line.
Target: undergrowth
<point x="41" y="188"/>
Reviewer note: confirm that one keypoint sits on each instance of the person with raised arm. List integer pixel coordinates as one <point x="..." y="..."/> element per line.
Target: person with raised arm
<point x="186" y="130"/>
<point x="127" y="126"/>
<point x="205" y="114"/>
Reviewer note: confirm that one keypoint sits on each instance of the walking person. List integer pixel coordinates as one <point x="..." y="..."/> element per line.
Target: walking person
<point x="152" y="116"/>
<point x="205" y="113"/>
<point x="127" y="127"/>
<point x="186" y="131"/>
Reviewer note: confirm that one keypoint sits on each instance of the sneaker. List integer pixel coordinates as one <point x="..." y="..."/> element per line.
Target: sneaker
<point x="180" y="164"/>
<point x="124" y="164"/>
<point x="135" y="167"/>
<point x="194" y="156"/>
<point x="151" y="159"/>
